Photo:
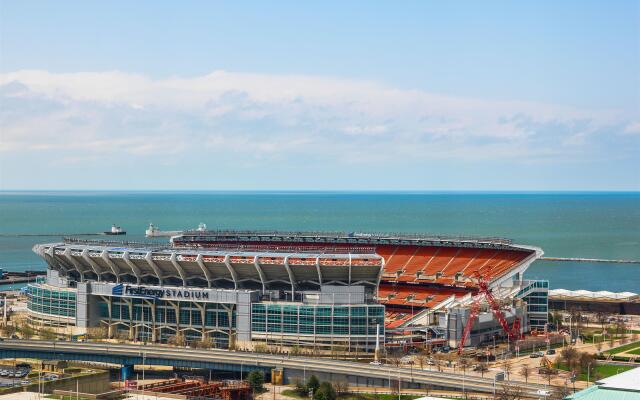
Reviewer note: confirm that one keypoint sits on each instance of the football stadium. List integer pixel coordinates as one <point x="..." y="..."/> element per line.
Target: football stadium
<point x="310" y="289"/>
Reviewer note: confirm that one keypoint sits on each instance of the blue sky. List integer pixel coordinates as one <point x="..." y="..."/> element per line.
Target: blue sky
<point x="295" y="95"/>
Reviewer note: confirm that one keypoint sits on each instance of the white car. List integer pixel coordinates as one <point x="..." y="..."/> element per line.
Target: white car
<point x="375" y="363"/>
<point x="543" y="393"/>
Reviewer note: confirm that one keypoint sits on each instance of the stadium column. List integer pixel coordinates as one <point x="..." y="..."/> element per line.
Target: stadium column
<point x="94" y="266"/>
<point x="53" y="260"/>
<point x="152" y="308"/>
<point x="260" y="273"/>
<point x="131" y="321"/>
<point x="116" y="271"/>
<point x="178" y="268"/>
<point x="176" y="310"/>
<point x="76" y="265"/>
<point x="232" y="271"/>
<point x="291" y="278"/>
<point x="204" y="269"/>
<point x="109" y="303"/>
<point x="149" y="258"/>
<point x="202" y="309"/>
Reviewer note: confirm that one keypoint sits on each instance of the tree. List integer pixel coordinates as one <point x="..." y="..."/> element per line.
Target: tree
<point x="313" y="384"/>
<point x="570" y="357"/>
<point x="98" y="332"/>
<point x="177" y="340"/>
<point x="482" y="367"/>
<point x="602" y="318"/>
<point x="47" y="334"/>
<point x="507" y="369"/>
<point x="341" y="387"/>
<point x="525" y="373"/>
<point x="393" y="359"/>
<point x="560" y="392"/>
<point x="586" y="361"/>
<point x="509" y="392"/>
<point x="300" y="388"/>
<point x="27" y="331"/>
<point x="421" y="359"/>
<point x="325" y="392"/>
<point x="256" y="381"/>
<point x="464" y="364"/>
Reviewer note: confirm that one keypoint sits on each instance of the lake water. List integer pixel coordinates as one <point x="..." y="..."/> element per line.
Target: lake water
<point x="588" y="225"/>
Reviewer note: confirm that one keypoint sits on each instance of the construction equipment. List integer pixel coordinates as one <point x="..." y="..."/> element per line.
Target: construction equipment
<point x="513" y="332"/>
<point x="546" y="367"/>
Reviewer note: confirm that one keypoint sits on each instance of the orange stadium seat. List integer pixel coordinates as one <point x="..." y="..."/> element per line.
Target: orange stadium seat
<point x="419" y="260"/>
<point x="440" y="260"/>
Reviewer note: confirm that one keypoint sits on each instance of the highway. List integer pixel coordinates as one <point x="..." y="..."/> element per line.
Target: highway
<point x="310" y="365"/>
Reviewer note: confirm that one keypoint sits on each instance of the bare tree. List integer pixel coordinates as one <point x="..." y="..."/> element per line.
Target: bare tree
<point x="559" y="393"/>
<point x="507" y="369"/>
<point x="509" y="392"/>
<point x="482" y="367"/>
<point x="602" y="318"/>
<point x="393" y="359"/>
<point x="525" y="373"/>
<point x="421" y="359"/>
<point x="464" y="364"/>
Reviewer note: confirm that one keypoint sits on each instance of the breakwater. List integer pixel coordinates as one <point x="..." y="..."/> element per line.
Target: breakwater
<point x="596" y="260"/>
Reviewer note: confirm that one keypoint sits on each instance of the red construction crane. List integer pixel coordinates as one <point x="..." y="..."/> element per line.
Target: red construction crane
<point x="513" y="332"/>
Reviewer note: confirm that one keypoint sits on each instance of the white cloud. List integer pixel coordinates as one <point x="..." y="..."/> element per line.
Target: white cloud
<point x="257" y="116"/>
<point x="633" y="128"/>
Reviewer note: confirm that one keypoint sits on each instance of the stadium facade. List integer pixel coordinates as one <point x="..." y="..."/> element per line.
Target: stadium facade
<point x="311" y="289"/>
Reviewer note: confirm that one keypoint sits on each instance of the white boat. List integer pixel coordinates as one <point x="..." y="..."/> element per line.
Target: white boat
<point x="115" y="230"/>
<point x="153" y="231"/>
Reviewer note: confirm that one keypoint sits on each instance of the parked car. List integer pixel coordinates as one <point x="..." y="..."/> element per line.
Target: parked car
<point x="536" y="354"/>
<point x="551" y="351"/>
<point x="375" y="363"/>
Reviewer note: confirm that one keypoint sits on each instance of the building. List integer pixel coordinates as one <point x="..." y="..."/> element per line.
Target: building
<point x="286" y="288"/>
<point x="624" y="303"/>
<point x="623" y="386"/>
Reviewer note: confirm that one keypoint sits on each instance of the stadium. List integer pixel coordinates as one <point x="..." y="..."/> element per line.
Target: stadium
<point x="310" y="289"/>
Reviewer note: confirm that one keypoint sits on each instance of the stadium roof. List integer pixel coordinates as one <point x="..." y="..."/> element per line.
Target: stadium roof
<point x="586" y="294"/>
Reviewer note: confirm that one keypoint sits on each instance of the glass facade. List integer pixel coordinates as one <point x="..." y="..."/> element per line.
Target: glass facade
<point x="189" y="318"/>
<point x="53" y="302"/>
<point x="277" y="320"/>
<point x="536" y="294"/>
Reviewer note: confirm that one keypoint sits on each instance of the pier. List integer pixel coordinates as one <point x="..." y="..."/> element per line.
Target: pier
<point x="11" y="278"/>
<point x="598" y="260"/>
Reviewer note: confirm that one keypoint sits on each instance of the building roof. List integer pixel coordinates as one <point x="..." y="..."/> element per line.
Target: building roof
<point x="586" y="294"/>
<point x="628" y="380"/>
<point x="624" y="386"/>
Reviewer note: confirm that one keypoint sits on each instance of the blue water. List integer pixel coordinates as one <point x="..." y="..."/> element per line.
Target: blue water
<point x="589" y="225"/>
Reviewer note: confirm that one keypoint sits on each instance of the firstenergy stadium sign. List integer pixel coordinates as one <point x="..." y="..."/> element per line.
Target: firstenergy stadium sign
<point x="160" y="293"/>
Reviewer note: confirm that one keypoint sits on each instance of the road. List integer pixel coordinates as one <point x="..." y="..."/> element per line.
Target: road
<point x="310" y="365"/>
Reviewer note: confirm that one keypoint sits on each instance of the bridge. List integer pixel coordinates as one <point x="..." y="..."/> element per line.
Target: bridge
<point x="357" y="374"/>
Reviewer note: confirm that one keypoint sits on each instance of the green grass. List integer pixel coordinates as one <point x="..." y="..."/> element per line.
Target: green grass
<point x="357" y="396"/>
<point x="636" y="351"/>
<point x="601" y="371"/>
<point x="626" y="347"/>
